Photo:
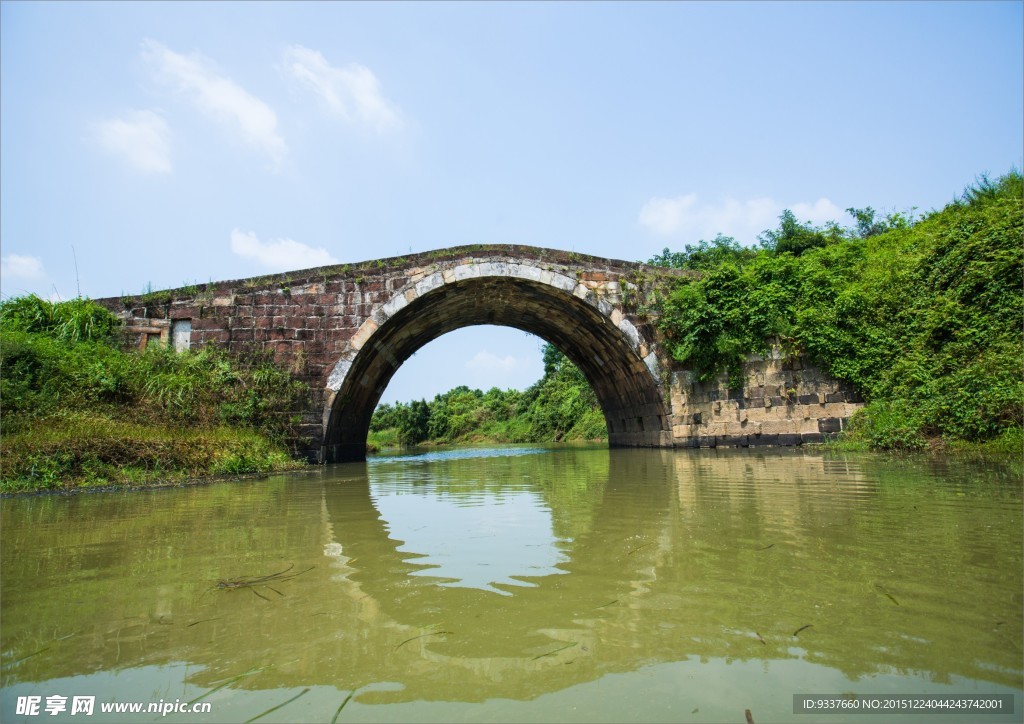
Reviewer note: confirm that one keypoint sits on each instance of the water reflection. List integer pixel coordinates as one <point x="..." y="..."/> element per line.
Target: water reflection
<point x="589" y="563"/>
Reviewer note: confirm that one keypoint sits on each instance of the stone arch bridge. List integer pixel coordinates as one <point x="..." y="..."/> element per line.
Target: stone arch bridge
<point x="346" y="329"/>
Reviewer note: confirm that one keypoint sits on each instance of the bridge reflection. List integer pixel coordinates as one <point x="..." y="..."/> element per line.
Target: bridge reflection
<point x="660" y="556"/>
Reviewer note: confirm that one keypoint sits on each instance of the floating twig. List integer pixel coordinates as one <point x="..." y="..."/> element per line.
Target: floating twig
<point x="334" y="719"/>
<point x="251" y="582"/>
<point x="770" y="545"/>
<point x="881" y="589"/>
<point x="45" y="648"/>
<point x="432" y="633"/>
<point x="760" y="639"/>
<point x="639" y="548"/>
<point x="605" y="605"/>
<point x="196" y="623"/>
<point x="275" y="708"/>
<point x="810" y="625"/>
<point x="560" y="648"/>
<point x="230" y="681"/>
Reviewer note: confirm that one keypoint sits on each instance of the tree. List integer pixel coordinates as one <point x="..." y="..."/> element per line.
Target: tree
<point x="795" y="238"/>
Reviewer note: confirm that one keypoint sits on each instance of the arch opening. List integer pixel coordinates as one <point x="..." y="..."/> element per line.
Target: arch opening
<point x="581" y="327"/>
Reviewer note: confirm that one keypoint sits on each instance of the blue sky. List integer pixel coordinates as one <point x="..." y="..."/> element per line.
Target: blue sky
<point x="168" y="143"/>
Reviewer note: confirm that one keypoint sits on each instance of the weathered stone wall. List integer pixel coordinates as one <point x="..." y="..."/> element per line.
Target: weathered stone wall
<point x="345" y="329"/>
<point x="782" y="402"/>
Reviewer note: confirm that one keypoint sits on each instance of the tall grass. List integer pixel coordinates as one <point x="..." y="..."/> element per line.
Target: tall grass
<point x="78" y="410"/>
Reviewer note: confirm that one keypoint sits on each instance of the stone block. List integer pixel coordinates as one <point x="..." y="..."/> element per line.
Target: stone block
<point x="213" y="336"/>
<point x="779" y="427"/>
<point x="829" y="425"/>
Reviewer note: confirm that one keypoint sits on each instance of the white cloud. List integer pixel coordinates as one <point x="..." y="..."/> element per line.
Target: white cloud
<point x="279" y="254"/>
<point x="20" y="266"/>
<point x="142" y="139"/>
<point x="484" y="361"/>
<point x="819" y="212"/>
<point x="217" y="96"/>
<point x="351" y="93"/>
<point x="689" y="219"/>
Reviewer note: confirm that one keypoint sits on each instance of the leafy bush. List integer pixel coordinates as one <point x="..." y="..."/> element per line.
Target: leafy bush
<point x="922" y="317"/>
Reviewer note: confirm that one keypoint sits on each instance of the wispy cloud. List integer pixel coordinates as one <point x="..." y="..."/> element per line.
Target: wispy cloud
<point x="218" y="96"/>
<point x="689" y="219"/>
<point x="142" y="139"/>
<point x="351" y="93"/>
<point x="279" y="254"/>
<point x="484" y="361"/>
<point x="21" y="266"/>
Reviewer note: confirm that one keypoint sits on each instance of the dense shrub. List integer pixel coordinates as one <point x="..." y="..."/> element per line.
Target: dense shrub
<point x="922" y="317"/>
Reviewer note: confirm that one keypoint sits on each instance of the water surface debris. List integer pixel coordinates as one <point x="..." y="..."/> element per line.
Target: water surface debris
<point x="639" y="548"/>
<point x="204" y="620"/>
<point x="46" y="648"/>
<point x="560" y="648"/>
<point x="810" y="625"/>
<point x="228" y="682"/>
<point x="251" y="581"/>
<point x="275" y="708"/>
<point x="760" y="639"/>
<point x="432" y="633"/>
<point x="605" y="605"/>
<point x="334" y="719"/>
<point x="750" y="717"/>
<point x="770" y="545"/>
<point x="881" y="589"/>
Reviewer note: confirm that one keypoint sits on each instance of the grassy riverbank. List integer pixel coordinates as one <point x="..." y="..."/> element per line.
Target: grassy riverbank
<point x="79" y="411"/>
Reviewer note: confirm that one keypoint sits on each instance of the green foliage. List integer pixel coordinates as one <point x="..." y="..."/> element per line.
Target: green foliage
<point x="73" y="321"/>
<point x="61" y="362"/>
<point x="560" y="406"/>
<point x="705" y="255"/>
<point x="922" y="317"/>
<point x="793" y="237"/>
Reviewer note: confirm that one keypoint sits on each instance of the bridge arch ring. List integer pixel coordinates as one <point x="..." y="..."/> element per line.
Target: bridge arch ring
<point x="588" y="324"/>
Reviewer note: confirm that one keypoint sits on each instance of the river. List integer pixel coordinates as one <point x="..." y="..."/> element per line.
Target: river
<point x="523" y="584"/>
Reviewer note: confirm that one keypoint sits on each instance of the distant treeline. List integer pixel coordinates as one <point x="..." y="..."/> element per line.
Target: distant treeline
<point x="559" y="406"/>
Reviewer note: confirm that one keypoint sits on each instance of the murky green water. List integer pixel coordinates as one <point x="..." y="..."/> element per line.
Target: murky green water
<point x="524" y="585"/>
